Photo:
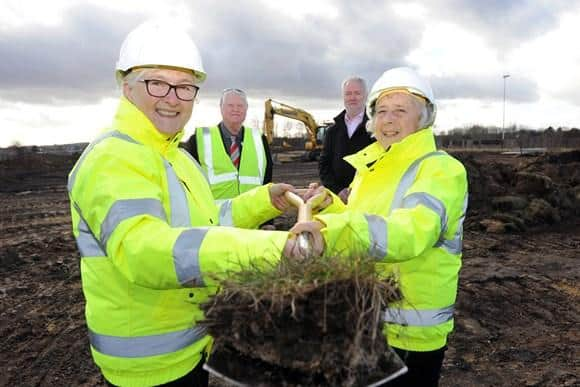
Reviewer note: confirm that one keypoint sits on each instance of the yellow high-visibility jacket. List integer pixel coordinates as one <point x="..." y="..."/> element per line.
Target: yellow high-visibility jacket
<point x="144" y="220"/>
<point x="406" y="209"/>
<point x="225" y="179"/>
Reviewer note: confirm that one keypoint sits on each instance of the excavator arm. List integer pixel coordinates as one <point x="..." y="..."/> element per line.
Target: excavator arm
<point x="272" y="107"/>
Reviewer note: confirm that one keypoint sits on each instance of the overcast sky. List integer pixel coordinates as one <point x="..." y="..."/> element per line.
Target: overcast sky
<point x="57" y="58"/>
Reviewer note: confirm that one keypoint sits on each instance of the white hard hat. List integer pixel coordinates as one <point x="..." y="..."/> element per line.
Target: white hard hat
<point x="405" y="79"/>
<point x="159" y="43"/>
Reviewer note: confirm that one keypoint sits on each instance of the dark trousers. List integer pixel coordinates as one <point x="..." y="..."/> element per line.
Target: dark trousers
<point x="424" y="368"/>
<point x="197" y="377"/>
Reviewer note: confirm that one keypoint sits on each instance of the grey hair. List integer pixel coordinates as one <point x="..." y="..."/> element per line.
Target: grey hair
<point x="134" y="76"/>
<point x="355" y="78"/>
<point x="424" y="115"/>
<point x="229" y="91"/>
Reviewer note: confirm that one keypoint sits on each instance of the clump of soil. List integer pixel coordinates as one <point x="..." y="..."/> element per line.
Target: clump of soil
<point x="311" y="323"/>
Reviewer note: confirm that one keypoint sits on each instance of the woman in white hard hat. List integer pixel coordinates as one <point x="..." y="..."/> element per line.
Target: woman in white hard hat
<point x="143" y="217"/>
<point x="406" y="209"/>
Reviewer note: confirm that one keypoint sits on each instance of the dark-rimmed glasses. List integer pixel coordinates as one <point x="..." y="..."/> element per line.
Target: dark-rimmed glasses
<point x="158" y="88"/>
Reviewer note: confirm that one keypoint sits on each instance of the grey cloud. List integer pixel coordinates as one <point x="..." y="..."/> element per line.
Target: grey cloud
<point x="253" y="46"/>
<point x="485" y="87"/>
<point x="504" y="24"/>
<point x="73" y="61"/>
<point x="263" y="49"/>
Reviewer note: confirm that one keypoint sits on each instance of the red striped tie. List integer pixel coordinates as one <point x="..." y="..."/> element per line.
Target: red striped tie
<point x="235" y="153"/>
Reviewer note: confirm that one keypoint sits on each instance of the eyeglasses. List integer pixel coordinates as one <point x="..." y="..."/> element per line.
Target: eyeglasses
<point x="160" y="89"/>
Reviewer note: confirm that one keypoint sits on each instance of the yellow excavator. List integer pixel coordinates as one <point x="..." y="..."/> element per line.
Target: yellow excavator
<point x="315" y="131"/>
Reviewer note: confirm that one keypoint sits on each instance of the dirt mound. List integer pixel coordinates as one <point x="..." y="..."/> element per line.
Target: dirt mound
<point x="31" y="171"/>
<point x="314" y="323"/>
<point x="517" y="193"/>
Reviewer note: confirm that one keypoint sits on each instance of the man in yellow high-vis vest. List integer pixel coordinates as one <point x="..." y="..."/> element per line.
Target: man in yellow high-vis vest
<point x="235" y="158"/>
<point x="145" y="221"/>
<point x="406" y="208"/>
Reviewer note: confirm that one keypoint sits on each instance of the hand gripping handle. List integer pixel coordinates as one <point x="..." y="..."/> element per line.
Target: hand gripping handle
<point x="304" y="215"/>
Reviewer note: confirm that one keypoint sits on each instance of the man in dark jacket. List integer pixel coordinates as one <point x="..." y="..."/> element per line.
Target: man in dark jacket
<point x="348" y="135"/>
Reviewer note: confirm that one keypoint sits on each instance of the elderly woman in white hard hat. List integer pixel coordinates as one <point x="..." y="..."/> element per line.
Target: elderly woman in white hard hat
<point x="406" y="209"/>
<point x="144" y="220"/>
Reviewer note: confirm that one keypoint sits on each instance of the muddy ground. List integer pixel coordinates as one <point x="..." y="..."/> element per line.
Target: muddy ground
<point x="518" y="307"/>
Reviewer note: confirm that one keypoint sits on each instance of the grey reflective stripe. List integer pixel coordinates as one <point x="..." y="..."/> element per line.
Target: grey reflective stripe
<point x="177" y="198"/>
<point x="455" y="244"/>
<point x="143" y="346"/>
<point x="128" y="208"/>
<point x="408" y="179"/>
<point x="252" y="180"/>
<point x="452" y="246"/>
<point x="114" y="133"/>
<point x="378" y="236"/>
<point x="208" y="152"/>
<point x="223" y="178"/>
<point x="87" y="243"/>
<point x="226" y="217"/>
<point x="257" y="136"/>
<point x="422" y="198"/>
<point x="186" y="256"/>
<point x="208" y="160"/>
<point x="256" y="180"/>
<point x="418" y="318"/>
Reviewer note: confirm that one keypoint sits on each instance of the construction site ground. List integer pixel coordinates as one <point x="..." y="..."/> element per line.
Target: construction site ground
<point x="517" y="312"/>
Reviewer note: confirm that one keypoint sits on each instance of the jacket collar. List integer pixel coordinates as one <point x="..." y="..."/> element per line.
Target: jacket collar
<point x="411" y="147"/>
<point x="131" y="121"/>
<point x="339" y="118"/>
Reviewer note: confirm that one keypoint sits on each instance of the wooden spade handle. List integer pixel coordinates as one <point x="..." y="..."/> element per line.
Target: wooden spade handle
<point x="304" y="212"/>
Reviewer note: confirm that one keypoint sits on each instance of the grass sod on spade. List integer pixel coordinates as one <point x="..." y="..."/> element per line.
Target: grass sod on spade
<point x="314" y="322"/>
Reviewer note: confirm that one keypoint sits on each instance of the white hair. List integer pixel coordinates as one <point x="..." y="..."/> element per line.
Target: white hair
<point x="229" y="91"/>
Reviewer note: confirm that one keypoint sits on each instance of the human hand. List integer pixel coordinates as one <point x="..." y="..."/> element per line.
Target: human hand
<point x="343" y="194"/>
<point x="297" y="248"/>
<point x="277" y="197"/>
<point x="313" y="189"/>
<point x="323" y="198"/>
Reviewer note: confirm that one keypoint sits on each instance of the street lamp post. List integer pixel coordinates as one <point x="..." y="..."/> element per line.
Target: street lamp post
<point x="505" y="76"/>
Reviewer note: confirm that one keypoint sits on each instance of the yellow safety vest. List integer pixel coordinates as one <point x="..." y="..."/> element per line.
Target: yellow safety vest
<point x="225" y="179"/>
<point x="143" y="217"/>
<point x="406" y="209"/>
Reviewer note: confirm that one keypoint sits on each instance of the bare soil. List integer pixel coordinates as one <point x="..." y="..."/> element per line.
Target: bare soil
<point x="518" y="307"/>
